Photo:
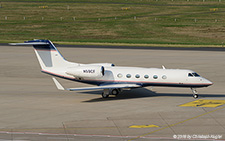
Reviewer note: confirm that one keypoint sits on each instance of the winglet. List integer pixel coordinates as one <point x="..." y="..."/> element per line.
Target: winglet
<point x="58" y="85"/>
<point x="163" y="67"/>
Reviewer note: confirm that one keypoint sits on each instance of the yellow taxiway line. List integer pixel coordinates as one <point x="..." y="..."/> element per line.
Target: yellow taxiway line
<point x="204" y="103"/>
<point x="143" y="126"/>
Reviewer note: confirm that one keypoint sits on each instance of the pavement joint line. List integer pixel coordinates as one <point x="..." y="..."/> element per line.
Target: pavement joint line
<point x="78" y="135"/>
<point x="141" y="136"/>
<point x="69" y="128"/>
<point x="215" y="120"/>
<point x="166" y="122"/>
<point x="117" y="127"/>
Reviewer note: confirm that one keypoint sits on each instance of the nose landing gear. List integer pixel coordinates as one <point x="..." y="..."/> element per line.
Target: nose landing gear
<point x="195" y="93"/>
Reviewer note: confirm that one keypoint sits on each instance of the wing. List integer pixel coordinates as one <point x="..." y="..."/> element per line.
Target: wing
<point x="108" y="86"/>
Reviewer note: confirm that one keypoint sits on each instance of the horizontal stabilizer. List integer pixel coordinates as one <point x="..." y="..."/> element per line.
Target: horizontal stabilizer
<point x="58" y="85"/>
<point x="29" y="43"/>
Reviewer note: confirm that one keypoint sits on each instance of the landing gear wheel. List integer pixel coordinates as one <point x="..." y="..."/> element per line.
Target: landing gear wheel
<point x="115" y="92"/>
<point x="195" y="96"/>
<point x="105" y="95"/>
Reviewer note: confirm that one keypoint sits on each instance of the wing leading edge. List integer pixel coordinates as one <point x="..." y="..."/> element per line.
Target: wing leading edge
<point x="108" y="86"/>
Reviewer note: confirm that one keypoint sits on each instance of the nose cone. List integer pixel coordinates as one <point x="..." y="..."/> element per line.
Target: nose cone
<point x="206" y="82"/>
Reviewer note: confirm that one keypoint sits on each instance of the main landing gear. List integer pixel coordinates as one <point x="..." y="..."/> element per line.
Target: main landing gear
<point x="195" y="93"/>
<point x="107" y="92"/>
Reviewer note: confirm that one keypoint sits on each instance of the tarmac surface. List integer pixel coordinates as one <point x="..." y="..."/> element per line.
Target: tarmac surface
<point x="31" y="108"/>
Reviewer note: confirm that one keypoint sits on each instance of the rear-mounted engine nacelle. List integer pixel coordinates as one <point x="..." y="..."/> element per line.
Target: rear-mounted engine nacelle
<point x="87" y="71"/>
<point x="102" y="64"/>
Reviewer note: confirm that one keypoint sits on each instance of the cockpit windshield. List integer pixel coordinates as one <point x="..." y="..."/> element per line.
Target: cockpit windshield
<point x="196" y="75"/>
<point x="193" y="74"/>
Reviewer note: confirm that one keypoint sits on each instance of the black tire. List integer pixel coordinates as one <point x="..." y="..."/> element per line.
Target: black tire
<point x="115" y="92"/>
<point x="105" y="95"/>
<point x="195" y="96"/>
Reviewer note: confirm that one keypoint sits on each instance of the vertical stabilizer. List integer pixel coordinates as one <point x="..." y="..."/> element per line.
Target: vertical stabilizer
<point x="47" y="54"/>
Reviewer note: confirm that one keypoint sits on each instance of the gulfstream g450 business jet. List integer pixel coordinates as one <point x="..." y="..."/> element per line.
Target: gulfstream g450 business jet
<point x="111" y="79"/>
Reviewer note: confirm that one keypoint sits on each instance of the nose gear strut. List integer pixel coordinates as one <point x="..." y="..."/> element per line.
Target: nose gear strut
<point x="195" y="93"/>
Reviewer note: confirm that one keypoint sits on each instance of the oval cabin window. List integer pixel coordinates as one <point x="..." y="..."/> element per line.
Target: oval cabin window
<point x="146" y="76"/>
<point x="119" y="75"/>
<point x="128" y="76"/>
<point x="155" y="76"/>
<point x="137" y="76"/>
<point x="164" y="77"/>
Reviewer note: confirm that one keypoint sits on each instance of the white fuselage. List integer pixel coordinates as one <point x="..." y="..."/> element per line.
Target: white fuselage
<point x="142" y="76"/>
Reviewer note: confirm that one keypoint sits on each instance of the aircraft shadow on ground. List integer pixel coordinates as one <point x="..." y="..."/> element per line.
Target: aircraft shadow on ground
<point x="143" y="93"/>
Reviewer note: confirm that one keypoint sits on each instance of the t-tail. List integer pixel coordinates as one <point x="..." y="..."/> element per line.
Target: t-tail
<point x="48" y="55"/>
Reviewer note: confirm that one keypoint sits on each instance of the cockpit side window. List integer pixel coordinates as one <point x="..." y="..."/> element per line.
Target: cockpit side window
<point x="190" y="75"/>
